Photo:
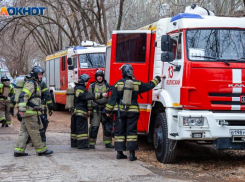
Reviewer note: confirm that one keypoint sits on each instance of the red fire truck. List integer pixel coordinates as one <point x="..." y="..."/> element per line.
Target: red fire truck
<point x="202" y="98"/>
<point x="64" y="67"/>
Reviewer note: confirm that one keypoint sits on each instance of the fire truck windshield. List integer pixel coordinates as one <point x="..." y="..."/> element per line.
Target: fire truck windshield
<point x="93" y="60"/>
<point x="216" y="44"/>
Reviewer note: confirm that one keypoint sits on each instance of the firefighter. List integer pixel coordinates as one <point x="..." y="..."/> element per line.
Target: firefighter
<point x="6" y="91"/>
<point x="30" y="109"/>
<point x="97" y="108"/>
<point x="79" y="122"/>
<point x="124" y="100"/>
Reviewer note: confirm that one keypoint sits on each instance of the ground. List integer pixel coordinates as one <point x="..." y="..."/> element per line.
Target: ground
<point x="194" y="162"/>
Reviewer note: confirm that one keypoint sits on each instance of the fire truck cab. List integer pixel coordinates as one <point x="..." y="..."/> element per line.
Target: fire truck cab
<point x="203" y="95"/>
<point x="64" y="67"/>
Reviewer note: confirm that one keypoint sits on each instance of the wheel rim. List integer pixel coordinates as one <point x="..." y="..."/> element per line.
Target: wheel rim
<point x="158" y="139"/>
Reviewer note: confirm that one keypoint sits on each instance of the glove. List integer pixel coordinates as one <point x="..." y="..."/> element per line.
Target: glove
<point x="50" y="112"/>
<point x="71" y="110"/>
<point x="19" y="117"/>
<point x="11" y="111"/>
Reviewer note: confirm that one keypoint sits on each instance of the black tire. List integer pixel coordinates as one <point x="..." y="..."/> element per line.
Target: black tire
<point x="56" y="105"/>
<point x="165" y="148"/>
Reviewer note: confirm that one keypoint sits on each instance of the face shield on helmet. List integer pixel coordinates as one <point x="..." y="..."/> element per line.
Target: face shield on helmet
<point x="99" y="73"/>
<point x="83" y="78"/>
<point x="35" y="71"/>
<point x="127" y="70"/>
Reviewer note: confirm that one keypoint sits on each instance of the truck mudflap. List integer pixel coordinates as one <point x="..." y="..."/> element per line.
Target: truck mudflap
<point x="234" y="142"/>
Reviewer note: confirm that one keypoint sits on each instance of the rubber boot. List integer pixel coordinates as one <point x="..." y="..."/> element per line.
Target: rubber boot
<point x="109" y="145"/>
<point x="3" y="122"/>
<point x="84" y="148"/>
<point x="20" y="154"/>
<point x="47" y="152"/>
<point x="132" y="156"/>
<point x="120" y="155"/>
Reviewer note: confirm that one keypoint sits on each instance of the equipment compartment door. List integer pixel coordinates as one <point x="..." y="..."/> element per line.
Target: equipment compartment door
<point x="132" y="47"/>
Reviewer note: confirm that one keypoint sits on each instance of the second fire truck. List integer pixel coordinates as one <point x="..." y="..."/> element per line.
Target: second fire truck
<point x="64" y="67"/>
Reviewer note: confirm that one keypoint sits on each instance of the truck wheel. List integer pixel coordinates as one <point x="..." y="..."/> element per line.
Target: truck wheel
<point x="165" y="148"/>
<point x="56" y="105"/>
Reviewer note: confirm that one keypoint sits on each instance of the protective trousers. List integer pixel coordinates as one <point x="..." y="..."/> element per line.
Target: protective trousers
<point x="97" y="118"/>
<point x="4" y="112"/>
<point x="30" y="126"/>
<point x="42" y="131"/>
<point x="126" y="131"/>
<point x="79" y="132"/>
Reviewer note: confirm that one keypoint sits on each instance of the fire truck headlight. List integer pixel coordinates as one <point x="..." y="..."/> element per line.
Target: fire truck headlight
<point x="193" y="121"/>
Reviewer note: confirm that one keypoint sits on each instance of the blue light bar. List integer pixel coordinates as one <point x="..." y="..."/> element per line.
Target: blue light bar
<point x="185" y="15"/>
<point x="79" y="47"/>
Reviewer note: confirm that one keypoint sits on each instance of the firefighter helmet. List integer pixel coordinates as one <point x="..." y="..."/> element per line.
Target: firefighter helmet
<point x="127" y="70"/>
<point x="4" y="79"/>
<point x="99" y="73"/>
<point x="83" y="78"/>
<point x="36" y="70"/>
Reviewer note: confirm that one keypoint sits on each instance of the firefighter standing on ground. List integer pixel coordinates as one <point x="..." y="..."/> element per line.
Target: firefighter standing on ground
<point x="79" y="120"/>
<point x="124" y="95"/>
<point x="97" y="107"/>
<point x="30" y="110"/>
<point x="6" y="91"/>
<point x="45" y="100"/>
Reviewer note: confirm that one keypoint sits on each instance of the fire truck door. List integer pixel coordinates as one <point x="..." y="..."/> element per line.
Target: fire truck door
<point x="63" y="73"/>
<point x="174" y="70"/>
<point x="73" y="74"/>
<point x="132" y="47"/>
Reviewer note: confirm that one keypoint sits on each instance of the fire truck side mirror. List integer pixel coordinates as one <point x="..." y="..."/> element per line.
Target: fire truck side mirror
<point x="165" y="43"/>
<point x="167" y="57"/>
<point x="70" y="67"/>
<point x="69" y="61"/>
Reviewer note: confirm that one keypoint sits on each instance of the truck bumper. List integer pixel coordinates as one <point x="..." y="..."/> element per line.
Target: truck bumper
<point x="213" y="127"/>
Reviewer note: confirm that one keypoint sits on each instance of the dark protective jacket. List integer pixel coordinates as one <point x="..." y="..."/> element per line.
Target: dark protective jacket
<point x="46" y="97"/>
<point x="117" y="94"/>
<point x="97" y="87"/>
<point x="81" y="98"/>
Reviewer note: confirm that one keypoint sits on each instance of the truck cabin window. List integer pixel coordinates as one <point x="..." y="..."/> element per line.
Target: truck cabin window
<point x="74" y="62"/>
<point x="131" y="48"/>
<point x="216" y="45"/>
<point x="94" y="60"/>
<point x="176" y="46"/>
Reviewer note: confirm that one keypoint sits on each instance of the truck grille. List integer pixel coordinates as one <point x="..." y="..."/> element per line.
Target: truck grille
<point x="225" y="94"/>
<point x="227" y="103"/>
<point x="236" y="122"/>
<point x="226" y="98"/>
